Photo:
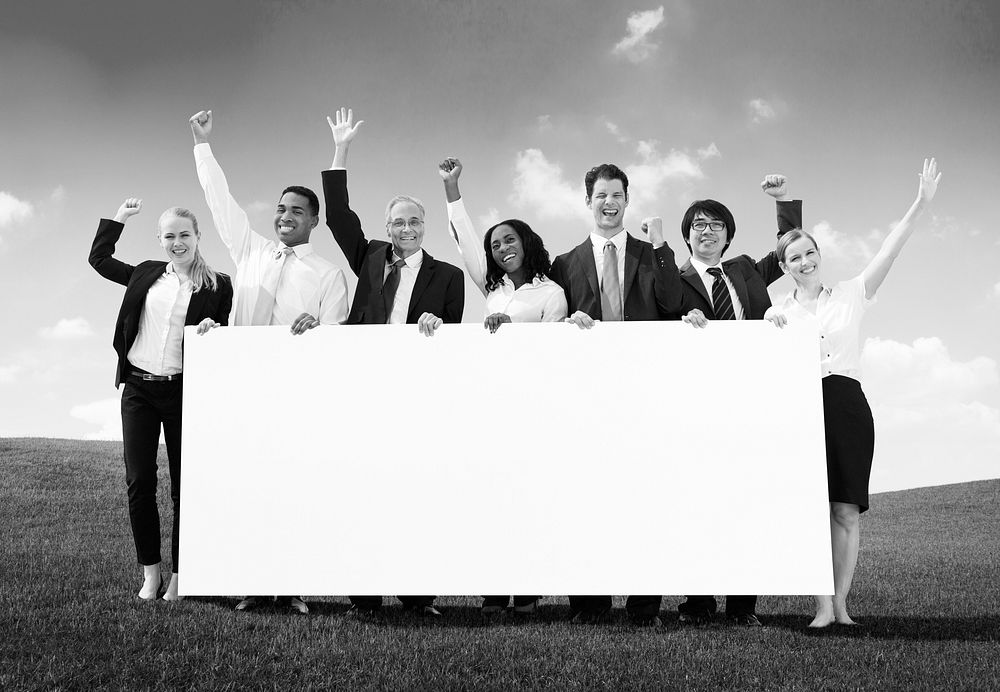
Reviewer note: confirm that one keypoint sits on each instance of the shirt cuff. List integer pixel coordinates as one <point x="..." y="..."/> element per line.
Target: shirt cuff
<point x="202" y="150"/>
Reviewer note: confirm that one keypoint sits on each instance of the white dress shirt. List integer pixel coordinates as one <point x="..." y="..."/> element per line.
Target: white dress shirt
<point x="709" y="282"/>
<point x="305" y="281"/>
<point x="838" y="311"/>
<point x="157" y="345"/>
<point x="541" y="300"/>
<point x="407" y="278"/>
<point x="619" y="239"/>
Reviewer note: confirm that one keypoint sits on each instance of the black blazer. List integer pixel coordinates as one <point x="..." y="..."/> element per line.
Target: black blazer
<point x="439" y="288"/>
<point x="137" y="281"/>
<point x="651" y="285"/>
<point x="750" y="278"/>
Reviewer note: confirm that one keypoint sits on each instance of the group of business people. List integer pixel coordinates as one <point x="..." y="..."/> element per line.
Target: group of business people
<point x="610" y="276"/>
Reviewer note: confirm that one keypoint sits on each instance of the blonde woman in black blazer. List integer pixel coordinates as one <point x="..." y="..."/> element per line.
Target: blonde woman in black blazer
<point x="161" y="298"/>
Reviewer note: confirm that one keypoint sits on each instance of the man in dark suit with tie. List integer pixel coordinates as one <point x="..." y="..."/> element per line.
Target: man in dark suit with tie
<point x="612" y="276"/>
<point x="398" y="282"/>
<point x="732" y="290"/>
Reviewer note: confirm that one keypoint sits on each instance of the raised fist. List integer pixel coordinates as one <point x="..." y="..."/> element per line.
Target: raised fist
<point x="201" y="126"/>
<point x="450" y="169"/>
<point x="130" y="207"/>
<point x="775" y="185"/>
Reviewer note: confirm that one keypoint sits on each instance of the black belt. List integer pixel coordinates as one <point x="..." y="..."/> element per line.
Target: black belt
<point x="148" y="377"/>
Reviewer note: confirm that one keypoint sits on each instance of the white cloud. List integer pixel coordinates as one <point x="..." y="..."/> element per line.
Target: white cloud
<point x="59" y="194"/>
<point x="489" y="219"/>
<point x="13" y="210"/>
<point x="9" y="373"/>
<point x="636" y="46"/>
<point x="616" y="131"/>
<point x="933" y="422"/>
<point x="650" y="176"/>
<point x="106" y="414"/>
<point x="540" y="185"/>
<point x="855" y="251"/>
<point x="709" y="152"/>
<point x="68" y="328"/>
<point x="761" y="111"/>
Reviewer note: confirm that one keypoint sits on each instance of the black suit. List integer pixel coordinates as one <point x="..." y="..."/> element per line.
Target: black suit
<point x="652" y="291"/>
<point x="439" y="288"/>
<point x="148" y="405"/>
<point x="750" y="280"/>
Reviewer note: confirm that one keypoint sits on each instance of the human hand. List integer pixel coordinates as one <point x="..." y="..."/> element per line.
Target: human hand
<point x="929" y="179"/>
<point x="205" y="325"/>
<point x="428" y="322"/>
<point x="653" y="227"/>
<point x="696" y="318"/>
<point x="776" y="316"/>
<point x="344" y="128"/>
<point x="450" y="169"/>
<point x="775" y="185"/>
<point x="494" y="321"/>
<point x="201" y="126"/>
<point x="581" y="320"/>
<point x="129" y="208"/>
<point x="303" y="323"/>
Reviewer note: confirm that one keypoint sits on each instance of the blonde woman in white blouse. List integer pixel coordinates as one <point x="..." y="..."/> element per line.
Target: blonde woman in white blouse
<point x="510" y="265"/>
<point x="850" y="432"/>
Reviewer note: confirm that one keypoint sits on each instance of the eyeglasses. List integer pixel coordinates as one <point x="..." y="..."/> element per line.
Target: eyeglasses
<point x="400" y="224"/>
<point x="714" y="225"/>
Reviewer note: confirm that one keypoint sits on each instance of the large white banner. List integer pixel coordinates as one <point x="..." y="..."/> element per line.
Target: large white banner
<point x="632" y="458"/>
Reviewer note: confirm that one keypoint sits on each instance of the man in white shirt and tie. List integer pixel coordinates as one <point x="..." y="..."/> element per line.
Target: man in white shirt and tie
<point x="278" y="281"/>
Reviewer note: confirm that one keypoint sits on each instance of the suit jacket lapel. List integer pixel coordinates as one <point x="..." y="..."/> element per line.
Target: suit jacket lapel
<point x="690" y="274"/>
<point x="633" y="253"/>
<point x="736" y="278"/>
<point x="584" y="256"/>
<point x="136" y="293"/>
<point x="197" y="306"/>
<point x="424" y="276"/>
<point x="376" y="272"/>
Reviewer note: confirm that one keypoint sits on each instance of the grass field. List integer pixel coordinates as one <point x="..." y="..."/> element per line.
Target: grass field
<point x="927" y="590"/>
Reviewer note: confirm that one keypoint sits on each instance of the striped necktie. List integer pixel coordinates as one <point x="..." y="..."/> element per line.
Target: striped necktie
<point x="722" y="303"/>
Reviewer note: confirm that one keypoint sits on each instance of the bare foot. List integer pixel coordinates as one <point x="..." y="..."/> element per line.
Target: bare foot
<point x="171" y="592"/>
<point x="150" y="582"/>
<point x="840" y="613"/>
<point x="822" y="620"/>
<point x="845" y="619"/>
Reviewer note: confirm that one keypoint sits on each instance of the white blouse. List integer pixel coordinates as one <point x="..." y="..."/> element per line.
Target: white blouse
<point x="157" y="345"/>
<point x="542" y="300"/>
<point x="839" y="311"/>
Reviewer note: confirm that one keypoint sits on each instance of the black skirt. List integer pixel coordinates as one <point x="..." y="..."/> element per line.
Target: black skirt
<point x="850" y="440"/>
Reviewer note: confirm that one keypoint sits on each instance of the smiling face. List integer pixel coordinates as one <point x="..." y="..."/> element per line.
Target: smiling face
<point x="293" y="219"/>
<point x="405" y="228"/>
<point x="607" y="203"/>
<point x="802" y="261"/>
<point x="708" y="244"/>
<point x="178" y="239"/>
<point x="507" y="249"/>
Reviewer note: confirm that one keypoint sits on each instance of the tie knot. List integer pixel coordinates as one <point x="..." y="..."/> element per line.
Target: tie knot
<point x="610" y="246"/>
<point x="282" y="251"/>
<point x="398" y="264"/>
<point x="715" y="272"/>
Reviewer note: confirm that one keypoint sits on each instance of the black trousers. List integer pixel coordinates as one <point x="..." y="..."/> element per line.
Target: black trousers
<point x="503" y="601"/>
<point x="635" y="606"/>
<point x="146" y="406"/>
<point x="705" y="605"/>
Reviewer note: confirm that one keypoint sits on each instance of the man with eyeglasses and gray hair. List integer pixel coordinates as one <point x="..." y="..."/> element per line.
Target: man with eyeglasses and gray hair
<point x="732" y="290"/>
<point x="398" y="282"/>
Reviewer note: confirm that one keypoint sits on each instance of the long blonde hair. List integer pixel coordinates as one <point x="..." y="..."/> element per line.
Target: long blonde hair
<point x="201" y="274"/>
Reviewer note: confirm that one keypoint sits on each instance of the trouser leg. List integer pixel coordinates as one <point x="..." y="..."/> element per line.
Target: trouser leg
<point x="171" y="414"/>
<point x="141" y="438"/>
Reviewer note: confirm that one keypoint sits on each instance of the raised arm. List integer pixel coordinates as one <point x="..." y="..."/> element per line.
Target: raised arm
<point x="340" y="218"/>
<point x="230" y="219"/>
<point x="470" y="244"/>
<point x="667" y="290"/>
<point x="876" y="271"/>
<point x="789" y="214"/>
<point x="108" y="232"/>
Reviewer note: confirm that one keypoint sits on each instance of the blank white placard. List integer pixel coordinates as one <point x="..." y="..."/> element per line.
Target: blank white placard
<point x="632" y="458"/>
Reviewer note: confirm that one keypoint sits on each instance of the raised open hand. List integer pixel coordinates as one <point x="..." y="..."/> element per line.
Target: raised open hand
<point x="343" y="127"/>
<point x="929" y="179"/>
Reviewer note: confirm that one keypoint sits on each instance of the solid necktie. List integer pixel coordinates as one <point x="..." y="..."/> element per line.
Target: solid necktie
<point x="611" y="291"/>
<point x="389" y="287"/>
<point x="721" y="301"/>
<point x="264" y="308"/>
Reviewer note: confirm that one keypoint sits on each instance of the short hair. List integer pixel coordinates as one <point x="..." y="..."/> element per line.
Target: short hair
<point x="307" y="193"/>
<point x="536" y="258"/>
<point x="402" y="198"/>
<point x="788" y="238"/>
<point x="606" y="171"/>
<point x="716" y="210"/>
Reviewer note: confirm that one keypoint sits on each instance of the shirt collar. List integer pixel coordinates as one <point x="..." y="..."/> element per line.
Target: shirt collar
<point x="618" y="239"/>
<point x="703" y="268"/>
<point x="301" y="250"/>
<point x="413" y="261"/>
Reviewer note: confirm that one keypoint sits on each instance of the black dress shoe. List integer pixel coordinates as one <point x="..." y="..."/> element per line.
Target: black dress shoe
<point x="745" y="619"/>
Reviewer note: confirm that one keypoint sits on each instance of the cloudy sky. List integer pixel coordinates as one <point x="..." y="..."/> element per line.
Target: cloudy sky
<point x="693" y="99"/>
